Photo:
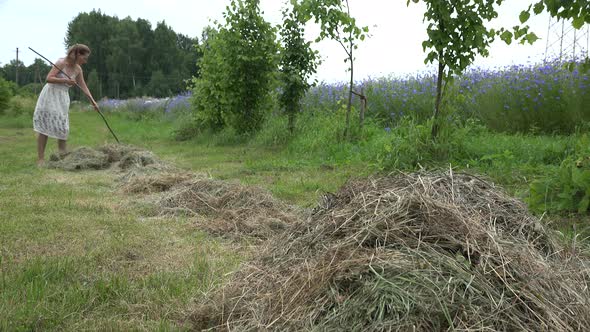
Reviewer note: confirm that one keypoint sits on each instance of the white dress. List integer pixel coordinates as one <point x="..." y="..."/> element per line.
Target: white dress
<point x="51" y="113"/>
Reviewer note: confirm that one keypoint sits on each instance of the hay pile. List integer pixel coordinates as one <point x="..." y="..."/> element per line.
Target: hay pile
<point x="418" y="252"/>
<point x="151" y="180"/>
<point x="84" y="158"/>
<point x="230" y="209"/>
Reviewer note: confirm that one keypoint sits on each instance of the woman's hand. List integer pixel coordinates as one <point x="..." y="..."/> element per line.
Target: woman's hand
<point x="95" y="106"/>
<point x="70" y="82"/>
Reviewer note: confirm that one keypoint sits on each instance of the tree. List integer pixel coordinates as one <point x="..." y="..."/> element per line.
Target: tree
<point x="125" y="46"/>
<point x="10" y="71"/>
<point x="576" y="10"/>
<point x="125" y="53"/>
<point x="94" y="84"/>
<point x="164" y="52"/>
<point x="456" y="34"/>
<point x="297" y="63"/>
<point x="237" y="70"/>
<point x="337" y="24"/>
<point x="5" y="95"/>
<point x="210" y="83"/>
<point x="94" y="29"/>
<point x="144" y="56"/>
<point x="158" y="86"/>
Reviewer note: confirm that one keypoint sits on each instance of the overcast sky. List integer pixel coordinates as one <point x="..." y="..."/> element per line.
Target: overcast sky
<point x="393" y="49"/>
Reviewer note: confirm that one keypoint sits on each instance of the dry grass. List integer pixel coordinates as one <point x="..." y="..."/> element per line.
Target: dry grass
<point x="83" y="158"/>
<point x="424" y="252"/>
<point x="231" y="209"/>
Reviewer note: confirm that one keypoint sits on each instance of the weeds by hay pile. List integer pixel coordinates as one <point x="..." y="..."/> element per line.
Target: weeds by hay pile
<point x="425" y="252"/>
<point x="230" y="208"/>
<point x="84" y="158"/>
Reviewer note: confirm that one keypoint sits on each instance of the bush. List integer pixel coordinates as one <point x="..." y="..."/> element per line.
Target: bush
<point x="411" y="145"/>
<point x="237" y="71"/>
<point x="568" y="189"/>
<point x="5" y="95"/>
<point x="20" y="105"/>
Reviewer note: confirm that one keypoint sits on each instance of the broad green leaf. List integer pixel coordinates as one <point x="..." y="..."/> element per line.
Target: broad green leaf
<point x="524" y="16"/>
<point x="539" y="7"/>
<point x="531" y="37"/>
<point x="506" y="36"/>
<point x="578" y="22"/>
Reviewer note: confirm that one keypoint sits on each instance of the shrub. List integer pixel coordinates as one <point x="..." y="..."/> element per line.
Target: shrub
<point x="568" y="189"/>
<point x="237" y="68"/>
<point x="5" y="95"/>
<point x="21" y="105"/>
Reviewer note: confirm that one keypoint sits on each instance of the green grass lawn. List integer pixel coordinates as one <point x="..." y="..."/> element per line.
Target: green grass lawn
<point x="78" y="254"/>
<point x="75" y="254"/>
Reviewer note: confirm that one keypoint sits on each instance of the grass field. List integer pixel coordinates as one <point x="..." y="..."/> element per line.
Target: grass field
<point x="77" y="254"/>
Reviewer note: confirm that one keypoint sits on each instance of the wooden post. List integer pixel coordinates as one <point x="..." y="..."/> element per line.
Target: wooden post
<point x="16" y="68"/>
<point x="363" y="107"/>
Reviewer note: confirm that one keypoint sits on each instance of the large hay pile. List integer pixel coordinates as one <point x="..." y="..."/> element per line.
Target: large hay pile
<point x="230" y="209"/>
<point x="419" y="252"/>
<point x="84" y="158"/>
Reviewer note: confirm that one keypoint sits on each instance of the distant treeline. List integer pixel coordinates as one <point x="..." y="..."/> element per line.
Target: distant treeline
<point x="128" y="58"/>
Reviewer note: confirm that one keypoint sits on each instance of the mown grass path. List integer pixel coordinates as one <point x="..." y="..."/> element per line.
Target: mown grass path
<point x="77" y="254"/>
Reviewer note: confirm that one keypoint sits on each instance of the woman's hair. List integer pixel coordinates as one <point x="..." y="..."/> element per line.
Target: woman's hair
<point x="75" y="50"/>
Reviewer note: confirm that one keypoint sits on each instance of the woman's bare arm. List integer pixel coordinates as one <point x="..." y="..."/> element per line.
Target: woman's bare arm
<point x="82" y="84"/>
<point x="52" y="75"/>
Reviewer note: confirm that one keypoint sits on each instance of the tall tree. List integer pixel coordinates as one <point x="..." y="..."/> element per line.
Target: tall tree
<point x="126" y="53"/>
<point x="165" y="51"/>
<point x="297" y="63"/>
<point x="11" y="68"/>
<point x="456" y="34"/>
<point x="337" y="24"/>
<point x="237" y="69"/>
<point x="94" y="29"/>
<point x="144" y="57"/>
<point x="125" y="49"/>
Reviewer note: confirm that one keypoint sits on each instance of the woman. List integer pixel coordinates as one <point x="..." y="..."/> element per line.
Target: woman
<point x="51" y="113"/>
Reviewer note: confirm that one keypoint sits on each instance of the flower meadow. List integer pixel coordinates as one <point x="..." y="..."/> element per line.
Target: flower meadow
<point x="168" y="105"/>
<point x="546" y="98"/>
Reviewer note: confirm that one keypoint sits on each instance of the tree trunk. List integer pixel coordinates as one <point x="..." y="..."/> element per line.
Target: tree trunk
<point x="441" y="68"/>
<point x="363" y="108"/>
<point x="291" y="122"/>
<point x="349" y="106"/>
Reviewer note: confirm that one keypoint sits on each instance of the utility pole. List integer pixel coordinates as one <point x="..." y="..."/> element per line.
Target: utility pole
<point x="16" y="68"/>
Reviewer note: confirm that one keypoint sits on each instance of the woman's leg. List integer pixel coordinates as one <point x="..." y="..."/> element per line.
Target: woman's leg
<point x="41" y="144"/>
<point x="61" y="145"/>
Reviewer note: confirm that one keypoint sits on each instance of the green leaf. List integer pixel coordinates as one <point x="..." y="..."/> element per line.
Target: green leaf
<point x="531" y="37"/>
<point x="506" y="36"/>
<point x="578" y="22"/>
<point x="539" y="7"/>
<point x="524" y="16"/>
